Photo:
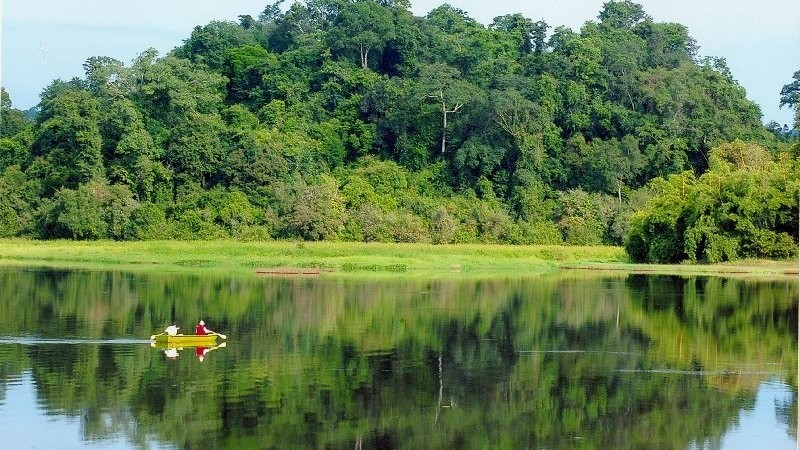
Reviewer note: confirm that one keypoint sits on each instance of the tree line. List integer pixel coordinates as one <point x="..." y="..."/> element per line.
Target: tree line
<point x="356" y="120"/>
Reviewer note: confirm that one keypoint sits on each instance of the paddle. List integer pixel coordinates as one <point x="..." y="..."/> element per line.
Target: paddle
<point x="159" y="334"/>
<point x="218" y="334"/>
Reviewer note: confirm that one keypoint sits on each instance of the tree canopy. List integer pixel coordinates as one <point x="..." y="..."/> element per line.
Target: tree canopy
<point x="516" y="132"/>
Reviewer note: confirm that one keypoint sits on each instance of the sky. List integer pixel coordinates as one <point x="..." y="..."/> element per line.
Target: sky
<point x="47" y="39"/>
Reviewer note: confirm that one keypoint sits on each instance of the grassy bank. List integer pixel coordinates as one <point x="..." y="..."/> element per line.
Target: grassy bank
<point x="335" y="257"/>
<point x="341" y="257"/>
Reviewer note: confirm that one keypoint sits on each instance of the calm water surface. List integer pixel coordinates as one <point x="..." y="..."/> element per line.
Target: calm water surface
<point x="563" y="360"/>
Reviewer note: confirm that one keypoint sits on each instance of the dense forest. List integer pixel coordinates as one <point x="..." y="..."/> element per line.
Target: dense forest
<point x="356" y="120"/>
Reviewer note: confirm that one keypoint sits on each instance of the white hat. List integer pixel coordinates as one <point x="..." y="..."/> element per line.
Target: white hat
<point x="200" y="358"/>
<point x="202" y="323"/>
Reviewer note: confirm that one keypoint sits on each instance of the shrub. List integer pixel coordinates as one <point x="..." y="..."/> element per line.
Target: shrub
<point x="319" y="213"/>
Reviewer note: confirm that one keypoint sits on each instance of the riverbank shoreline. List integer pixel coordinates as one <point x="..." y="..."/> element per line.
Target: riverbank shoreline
<point x="286" y="258"/>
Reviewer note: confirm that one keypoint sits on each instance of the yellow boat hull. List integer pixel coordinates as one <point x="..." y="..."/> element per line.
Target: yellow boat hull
<point x="186" y="340"/>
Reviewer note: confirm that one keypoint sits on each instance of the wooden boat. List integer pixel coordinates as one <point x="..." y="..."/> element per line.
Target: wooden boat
<point x="186" y="340"/>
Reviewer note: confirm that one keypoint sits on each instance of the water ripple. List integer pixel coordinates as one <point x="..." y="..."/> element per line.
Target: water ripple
<point x="27" y="340"/>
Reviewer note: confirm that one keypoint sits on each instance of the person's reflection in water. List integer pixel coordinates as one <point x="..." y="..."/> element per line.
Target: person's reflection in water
<point x="201" y="353"/>
<point x="171" y="352"/>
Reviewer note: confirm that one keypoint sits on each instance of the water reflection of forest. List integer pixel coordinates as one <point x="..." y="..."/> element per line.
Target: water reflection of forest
<point x="608" y="361"/>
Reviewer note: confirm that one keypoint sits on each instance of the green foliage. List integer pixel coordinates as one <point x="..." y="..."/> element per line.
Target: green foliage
<point x="622" y="14"/>
<point x="16" y="150"/>
<point x="68" y="139"/>
<point x="744" y="206"/>
<point x="12" y="121"/>
<point x="18" y="199"/>
<point x="246" y="66"/>
<point x="655" y="233"/>
<point x="208" y="44"/>
<point x="356" y="120"/>
<point x="584" y="217"/>
<point x="93" y="211"/>
<point x="319" y="211"/>
<point x="790" y="96"/>
<point x="443" y="227"/>
<point x="149" y="222"/>
<point x="359" y="31"/>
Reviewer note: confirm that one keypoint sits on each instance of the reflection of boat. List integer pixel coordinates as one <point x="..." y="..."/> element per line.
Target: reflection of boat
<point x="186" y="340"/>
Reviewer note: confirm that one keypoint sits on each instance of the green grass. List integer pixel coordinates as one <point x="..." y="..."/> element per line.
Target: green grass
<point x="340" y="257"/>
<point x="334" y="257"/>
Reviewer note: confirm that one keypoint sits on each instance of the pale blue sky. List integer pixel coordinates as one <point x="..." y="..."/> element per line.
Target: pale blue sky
<point x="47" y="39"/>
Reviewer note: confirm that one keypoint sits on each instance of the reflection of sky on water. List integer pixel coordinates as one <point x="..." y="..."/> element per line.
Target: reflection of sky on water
<point x="761" y="427"/>
<point x="25" y="425"/>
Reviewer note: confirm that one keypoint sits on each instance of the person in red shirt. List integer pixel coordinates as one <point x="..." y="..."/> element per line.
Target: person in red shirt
<point x="201" y="329"/>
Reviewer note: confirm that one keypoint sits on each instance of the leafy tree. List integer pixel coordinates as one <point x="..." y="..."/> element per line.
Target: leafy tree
<point x="387" y="180"/>
<point x="442" y="85"/>
<point x="583" y="217"/>
<point x="182" y="102"/>
<point x="68" y="139"/>
<point x="272" y="12"/>
<point x="476" y="159"/>
<point x="790" y="96"/>
<point x="361" y="27"/>
<point x="656" y="232"/>
<point x="195" y="146"/>
<point x="107" y="78"/>
<point x="622" y="14"/>
<point x="606" y="166"/>
<point x="668" y="44"/>
<point x="528" y="35"/>
<point x="76" y="214"/>
<point x="16" y="150"/>
<point x="456" y="40"/>
<point x="129" y="151"/>
<point x="18" y="199"/>
<point x="703" y="113"/>
<point x="245" y="68"/>
<point x="443" y="227"/>
<point x="209" y="43"/>
<point x="319" y="211"/>
<point x="16" y="134"/>
<point x="740" y="155"/>
<point x="393" y="105"/>
<point x="742" y="207"/>
<point x="171" y="88"/>
<point x="94" y="210"/>
<point x="12" y="121"/>
<point x="623" y="55"/>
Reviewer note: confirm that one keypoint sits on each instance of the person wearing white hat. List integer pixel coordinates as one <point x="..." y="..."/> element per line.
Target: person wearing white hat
<point x="172" y="330"/>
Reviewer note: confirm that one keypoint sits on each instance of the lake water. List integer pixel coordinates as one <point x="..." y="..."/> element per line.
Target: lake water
<point x="561" y="360"/>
